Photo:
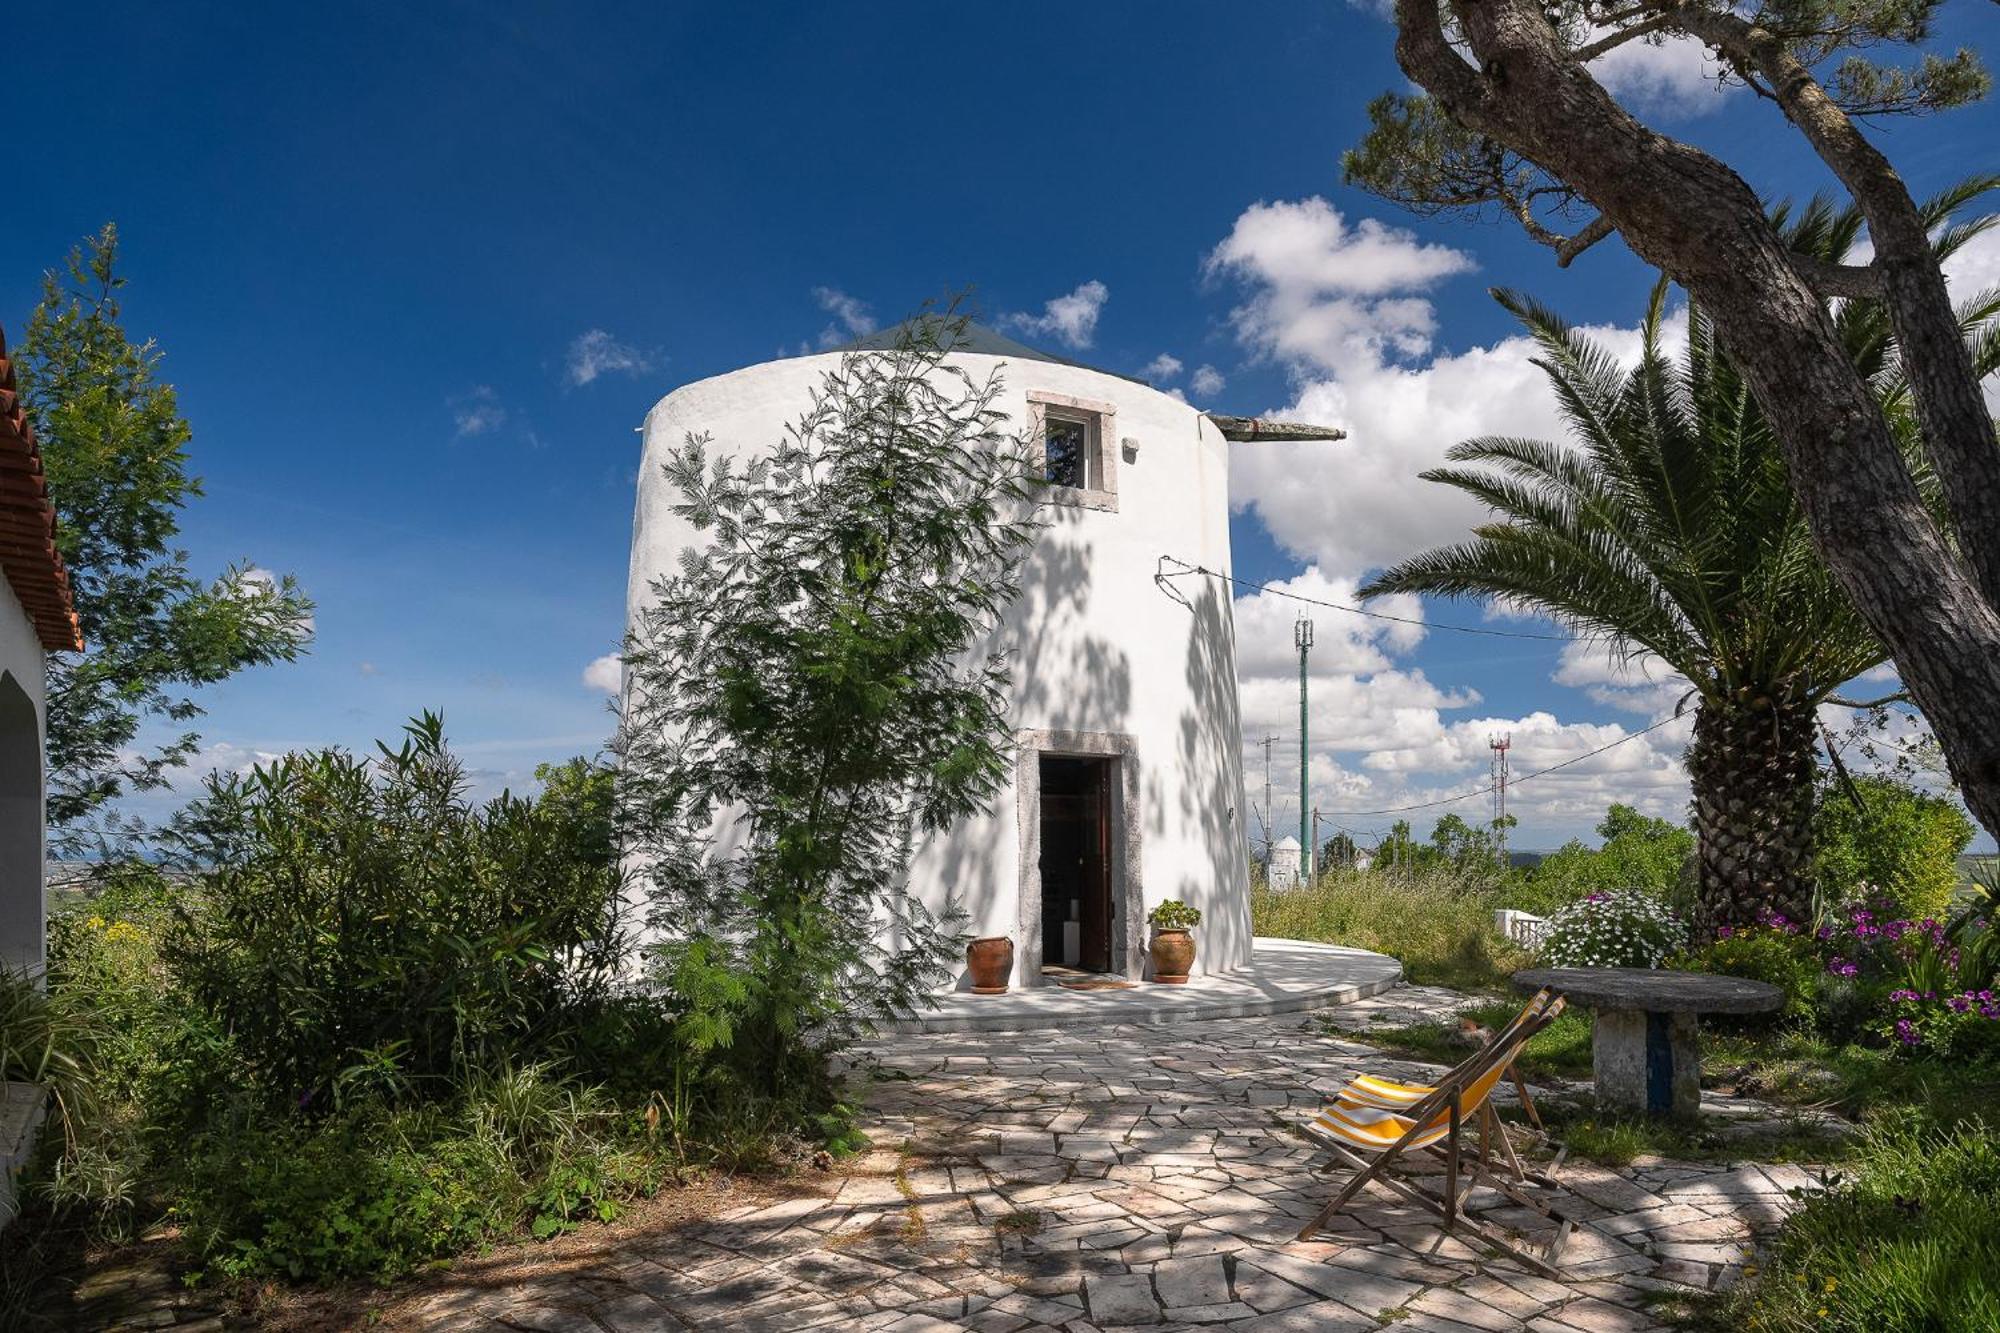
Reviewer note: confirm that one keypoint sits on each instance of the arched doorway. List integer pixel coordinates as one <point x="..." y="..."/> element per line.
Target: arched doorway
<point x="21" y="905"/>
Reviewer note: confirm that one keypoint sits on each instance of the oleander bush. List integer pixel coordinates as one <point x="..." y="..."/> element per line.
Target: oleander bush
<point x="366" y="1023"/>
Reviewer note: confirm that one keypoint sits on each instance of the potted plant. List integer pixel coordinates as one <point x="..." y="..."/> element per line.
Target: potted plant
<point x="1173" y="947"/>
<point x="990" y="959"/>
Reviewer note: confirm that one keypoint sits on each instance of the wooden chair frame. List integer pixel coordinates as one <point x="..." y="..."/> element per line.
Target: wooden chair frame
<point x="1448" y="1099"/>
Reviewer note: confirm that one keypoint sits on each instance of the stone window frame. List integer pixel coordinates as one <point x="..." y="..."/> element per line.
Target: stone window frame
<point x="1128" y="941"/>
<point x="1104" y="451"/>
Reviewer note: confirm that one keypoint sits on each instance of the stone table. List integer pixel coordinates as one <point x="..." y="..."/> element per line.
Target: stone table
<point x="1644" y="1047"/>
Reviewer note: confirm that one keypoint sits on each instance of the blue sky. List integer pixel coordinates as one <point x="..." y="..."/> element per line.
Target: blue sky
<point x="419" y="272"/>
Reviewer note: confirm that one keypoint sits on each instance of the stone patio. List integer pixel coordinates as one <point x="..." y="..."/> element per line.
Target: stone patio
<point x="1284" y="977"/>
<point x="1132" y="1178"/>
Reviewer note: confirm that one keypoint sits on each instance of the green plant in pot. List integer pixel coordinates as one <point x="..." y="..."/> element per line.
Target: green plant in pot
<point x="1173" y="947"/>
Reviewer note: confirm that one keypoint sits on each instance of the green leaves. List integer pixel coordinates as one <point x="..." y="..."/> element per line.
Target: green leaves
<point x="115" y="449"/>
<point x="810" y="692"/>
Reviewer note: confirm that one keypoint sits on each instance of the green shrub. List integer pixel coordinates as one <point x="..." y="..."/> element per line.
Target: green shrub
<point x="1787" y="959"/>
<point x="1902" y="841"/>
<point x="1438" y="924"/>
<point x="363" y="931"/>
<point x="1638" y="852"/>
<point x="1909" y="1240"/>
<point x="349" y="1197"/>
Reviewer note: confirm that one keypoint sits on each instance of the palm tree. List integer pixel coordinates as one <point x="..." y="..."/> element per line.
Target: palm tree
<point x="1670" y="528"/>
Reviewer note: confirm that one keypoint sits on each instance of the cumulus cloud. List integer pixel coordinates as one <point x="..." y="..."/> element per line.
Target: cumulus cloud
<point x="477" y="412"/>
<point x="1383" y="734"/>
<point x="1207" y="382"/>
<point x="1165" y="366"/>
<point x="1322" y="291"/>
<point x="1354" y="362"/>
<point x="595" y="352"/>
<point x="603" y="674"/>
<point x="1071" y="319"/>
<point x="1344" y="307"/>
<point x="1672" y="77"/>
<point x="851" y="316"/>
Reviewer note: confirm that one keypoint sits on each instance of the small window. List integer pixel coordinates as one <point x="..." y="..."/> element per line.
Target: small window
<point x="1077" y="438"/>
<point x="1069" y="447"/>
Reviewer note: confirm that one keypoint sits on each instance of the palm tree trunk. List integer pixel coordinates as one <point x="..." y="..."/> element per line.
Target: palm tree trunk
<point x="1752" y="768"/>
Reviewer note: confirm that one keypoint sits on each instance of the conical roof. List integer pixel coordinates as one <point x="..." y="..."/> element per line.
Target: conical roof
<point x="978" y="339"/>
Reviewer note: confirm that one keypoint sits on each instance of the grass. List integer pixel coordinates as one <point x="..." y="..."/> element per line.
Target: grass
<point x="1561" y="1050"/>
<point x="1908" y="1237"/>
<point x="1438" y="924"/>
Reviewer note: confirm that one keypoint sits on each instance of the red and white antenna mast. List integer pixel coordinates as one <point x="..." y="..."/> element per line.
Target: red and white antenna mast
<point x="1500" y="745"/>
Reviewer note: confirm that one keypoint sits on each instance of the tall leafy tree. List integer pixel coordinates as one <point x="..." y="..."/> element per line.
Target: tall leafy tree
<point x="1514" y="116"/>
<point x="114" y="445"/>
<point x="809" y="694"/>
<point x="1670" y="528"/>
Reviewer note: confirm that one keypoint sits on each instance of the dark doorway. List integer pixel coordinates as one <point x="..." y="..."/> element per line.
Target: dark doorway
<point x="1076" y="862"/>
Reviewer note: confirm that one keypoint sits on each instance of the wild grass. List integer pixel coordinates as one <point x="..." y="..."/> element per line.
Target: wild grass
<point x="1908" y="1237"/>
<point x="1436" y="922"/>
<point x="1561" y="1050"/>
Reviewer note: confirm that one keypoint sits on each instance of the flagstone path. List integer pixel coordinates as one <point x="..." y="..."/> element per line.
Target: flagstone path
<point x="1134" y="1178"/>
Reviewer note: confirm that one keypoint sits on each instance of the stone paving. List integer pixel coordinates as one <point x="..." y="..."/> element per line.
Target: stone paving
<point x="1139" y="1178"/>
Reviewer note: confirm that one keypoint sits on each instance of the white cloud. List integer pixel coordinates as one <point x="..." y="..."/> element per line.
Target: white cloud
<point x="1323" y="292"/>
<point x="595" y="352"/>
<point x="477" y="412"/>
<point x="1673" y="77"/>
<point x="1638" y="684"/>
<point x="1071" y="319"/>
<point x="604" y="674"/>
<point x="852" y="317"/>
<point x="1207" y="382"/>
<point x="1165" y="366"/>
<point x="1344" y="309"/>
<point x="1976" y="266"/>
<point x="1359" y="504"/>
<point x="1382" y="734"/>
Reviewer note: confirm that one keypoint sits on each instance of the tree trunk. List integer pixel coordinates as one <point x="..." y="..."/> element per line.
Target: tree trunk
<point x="1696" y="220"/>
<point x="1752" y="766"/>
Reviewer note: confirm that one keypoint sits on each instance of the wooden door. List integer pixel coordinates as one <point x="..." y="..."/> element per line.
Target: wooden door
<point x="1096" y="868"/>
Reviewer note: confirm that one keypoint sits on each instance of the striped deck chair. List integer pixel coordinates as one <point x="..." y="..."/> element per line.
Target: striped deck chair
<point x="1373" y="1141"/>
<point x="1388" y="1095"/>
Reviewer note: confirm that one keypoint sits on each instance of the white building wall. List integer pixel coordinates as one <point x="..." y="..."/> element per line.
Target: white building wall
<point x="22" y="711"/>
<point x="1096" y="646"/>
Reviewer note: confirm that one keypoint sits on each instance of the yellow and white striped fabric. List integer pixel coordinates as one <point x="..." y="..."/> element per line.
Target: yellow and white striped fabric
<point x="1376" y="1129"/>
<point x="1383" y="1093"/>
<point x="1389" y="1095"/>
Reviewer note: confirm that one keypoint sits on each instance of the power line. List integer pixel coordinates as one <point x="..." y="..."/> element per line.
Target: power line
<point x="1187" y="569"/>
<point x="1515" y="782"/>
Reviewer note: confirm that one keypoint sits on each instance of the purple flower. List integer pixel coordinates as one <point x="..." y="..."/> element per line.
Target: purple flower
<point x="1725" y="932"/>
<point x="1958" y="1004"/>
<point x="1900" y="995"/>
<point x="1840" y="967"/>
<point x="1906" y="1032"/>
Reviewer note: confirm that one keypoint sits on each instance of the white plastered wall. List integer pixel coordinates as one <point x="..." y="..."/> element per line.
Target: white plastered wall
<point x="22" y="906"/>
<point x="1097" y="647"/>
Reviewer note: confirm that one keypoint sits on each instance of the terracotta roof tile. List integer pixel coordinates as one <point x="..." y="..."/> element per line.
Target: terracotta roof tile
<point x="28" y="525"/>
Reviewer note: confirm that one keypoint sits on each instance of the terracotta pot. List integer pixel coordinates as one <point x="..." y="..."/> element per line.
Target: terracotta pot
<point x="991" y="962"/>
<point x="1173" y="955"/>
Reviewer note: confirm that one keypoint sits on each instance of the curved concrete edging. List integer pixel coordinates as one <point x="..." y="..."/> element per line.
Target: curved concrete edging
<point x="1284" y="976"/>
